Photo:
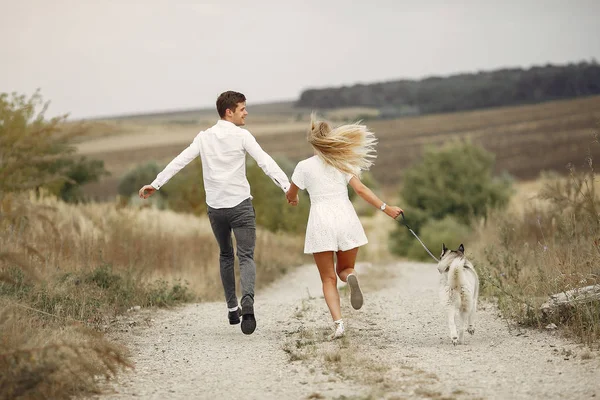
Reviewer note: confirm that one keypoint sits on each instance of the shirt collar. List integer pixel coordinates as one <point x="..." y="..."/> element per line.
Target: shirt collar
<point x="222" y="122"/>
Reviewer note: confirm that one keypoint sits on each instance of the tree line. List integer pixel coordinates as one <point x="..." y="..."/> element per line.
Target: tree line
<point x="468" y="91"/>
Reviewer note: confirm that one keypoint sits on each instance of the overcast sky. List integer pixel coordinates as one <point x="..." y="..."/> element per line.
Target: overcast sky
<point x="105" y="57"/>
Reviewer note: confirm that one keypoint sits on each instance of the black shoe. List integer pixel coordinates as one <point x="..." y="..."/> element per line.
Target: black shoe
<point x="248" y="320"/>
<point x="234" y="316"/>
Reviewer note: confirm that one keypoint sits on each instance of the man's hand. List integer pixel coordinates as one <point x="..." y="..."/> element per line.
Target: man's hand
<point x="147" y="191"/>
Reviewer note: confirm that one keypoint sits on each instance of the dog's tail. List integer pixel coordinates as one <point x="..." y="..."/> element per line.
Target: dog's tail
<point x="459" y="285"/>
<point x="456" y="273"/>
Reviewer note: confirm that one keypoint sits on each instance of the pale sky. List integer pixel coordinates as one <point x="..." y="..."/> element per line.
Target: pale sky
<point x="107" y="57"/>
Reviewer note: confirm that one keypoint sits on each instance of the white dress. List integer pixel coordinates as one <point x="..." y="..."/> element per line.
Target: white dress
<point x="332" y="223"/>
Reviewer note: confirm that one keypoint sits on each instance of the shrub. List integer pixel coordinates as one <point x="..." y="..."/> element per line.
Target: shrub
<point x="185" y="191"/>
<point x="455" y="180"/>
<point x="401" y="240"/>
<point x="139" y="176"/>
<point x="78" y="172"/>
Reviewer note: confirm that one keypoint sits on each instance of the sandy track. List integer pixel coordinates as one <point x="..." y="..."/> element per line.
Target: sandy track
<point x="397" y="347"/>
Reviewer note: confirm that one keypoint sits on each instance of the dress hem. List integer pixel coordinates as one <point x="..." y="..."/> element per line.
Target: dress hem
<point x="338" y="249"/>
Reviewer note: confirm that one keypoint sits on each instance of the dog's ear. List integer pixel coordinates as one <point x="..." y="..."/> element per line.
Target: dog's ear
<point x="461" y="248"/>
<point x="444" y="249"/>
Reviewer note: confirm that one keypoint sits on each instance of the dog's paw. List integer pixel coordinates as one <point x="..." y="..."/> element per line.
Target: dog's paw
<point x="471" y="329"/>
<point x="455" y="340"/>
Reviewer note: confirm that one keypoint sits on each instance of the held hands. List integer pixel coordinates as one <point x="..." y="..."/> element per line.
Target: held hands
<point x="146" y="191"/>
<point x="291" y="200"/>
<point x="393" y="211"/>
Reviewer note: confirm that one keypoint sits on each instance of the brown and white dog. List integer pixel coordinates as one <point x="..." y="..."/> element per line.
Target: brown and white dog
<point x="459" y="289"/>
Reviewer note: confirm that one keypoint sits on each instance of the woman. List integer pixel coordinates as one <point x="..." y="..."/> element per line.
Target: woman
<point x="333" y="226"/>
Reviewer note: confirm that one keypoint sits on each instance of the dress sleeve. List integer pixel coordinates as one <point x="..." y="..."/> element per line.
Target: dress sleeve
<point x="298" y="177"/>
<point x="348" y="177"/>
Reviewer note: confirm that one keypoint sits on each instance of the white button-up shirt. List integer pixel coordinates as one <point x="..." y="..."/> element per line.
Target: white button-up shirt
<point x="222" y="149"/>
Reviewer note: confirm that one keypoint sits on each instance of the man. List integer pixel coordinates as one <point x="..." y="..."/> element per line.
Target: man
<point x="222" y="149"/>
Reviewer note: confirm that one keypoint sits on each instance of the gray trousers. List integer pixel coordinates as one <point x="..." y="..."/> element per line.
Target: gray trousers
<point x="240" y="219"/>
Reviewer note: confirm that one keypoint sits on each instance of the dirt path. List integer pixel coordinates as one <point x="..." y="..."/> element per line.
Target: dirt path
<point x="396" y="347"/>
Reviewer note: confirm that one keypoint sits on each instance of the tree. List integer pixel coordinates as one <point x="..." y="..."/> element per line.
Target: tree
<point x="36" y="152"/>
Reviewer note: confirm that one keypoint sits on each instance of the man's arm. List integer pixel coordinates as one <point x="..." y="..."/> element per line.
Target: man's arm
<point x="183" y="159"/>
<point x="265" y="162"/>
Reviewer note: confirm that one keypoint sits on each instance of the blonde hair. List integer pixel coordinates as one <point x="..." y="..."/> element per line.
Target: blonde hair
<point x="349" y="148"/>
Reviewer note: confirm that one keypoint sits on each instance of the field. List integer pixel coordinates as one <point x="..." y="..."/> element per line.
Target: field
<point x="102" y="260"/>
<point x="526" y="139"/>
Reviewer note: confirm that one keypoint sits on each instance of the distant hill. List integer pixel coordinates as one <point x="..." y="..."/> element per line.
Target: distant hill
<point x="462" y="92"/>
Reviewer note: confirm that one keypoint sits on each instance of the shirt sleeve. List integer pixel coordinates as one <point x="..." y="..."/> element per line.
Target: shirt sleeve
<point x="183" y="159"/>
<point x="348" y="177"/>
<point x="298" y="177"/>
<point x="265" y="162"/>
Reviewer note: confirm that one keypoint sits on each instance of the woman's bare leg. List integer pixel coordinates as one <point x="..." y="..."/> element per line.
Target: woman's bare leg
<point x="324" y="261"/>
<point x="345" y="263"/>
<point x="345" y="270"/>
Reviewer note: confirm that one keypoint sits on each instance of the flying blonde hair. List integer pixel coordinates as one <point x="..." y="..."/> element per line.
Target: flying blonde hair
<point x="349" y="148"/>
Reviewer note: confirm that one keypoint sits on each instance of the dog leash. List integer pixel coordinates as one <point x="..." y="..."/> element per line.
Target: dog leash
<point x="415" y="235"/>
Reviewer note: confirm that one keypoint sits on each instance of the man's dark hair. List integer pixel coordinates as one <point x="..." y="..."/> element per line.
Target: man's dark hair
<point x="229" y="100"/>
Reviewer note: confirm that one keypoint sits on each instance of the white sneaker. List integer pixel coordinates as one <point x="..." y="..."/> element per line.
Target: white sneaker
<point x="356" y="297"/>
<point x="339" y="329"/>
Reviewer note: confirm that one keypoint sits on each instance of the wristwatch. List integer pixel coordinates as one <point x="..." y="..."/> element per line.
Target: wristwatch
<point x="382" y="208"/>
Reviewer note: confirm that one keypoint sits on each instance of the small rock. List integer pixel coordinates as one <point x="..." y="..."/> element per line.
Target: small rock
<point x="136" y="308"/>
<point x="551" y="326"/>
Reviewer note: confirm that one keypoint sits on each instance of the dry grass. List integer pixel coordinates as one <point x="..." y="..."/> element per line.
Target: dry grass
<point x="38" y="362"/>
<point x="66" y="271"/>
<point x="548" y="244"/>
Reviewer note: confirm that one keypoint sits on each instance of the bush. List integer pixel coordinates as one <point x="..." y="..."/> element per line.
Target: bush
<point x="401" y="239"/>
<point x="185" y="191"/>
<point x="139" y="176"/>
<point x="78" y="172"/>
<point x="453" y="181"/>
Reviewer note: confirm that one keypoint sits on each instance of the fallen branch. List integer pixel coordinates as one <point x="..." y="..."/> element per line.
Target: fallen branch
<point x="570" y="298"/>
